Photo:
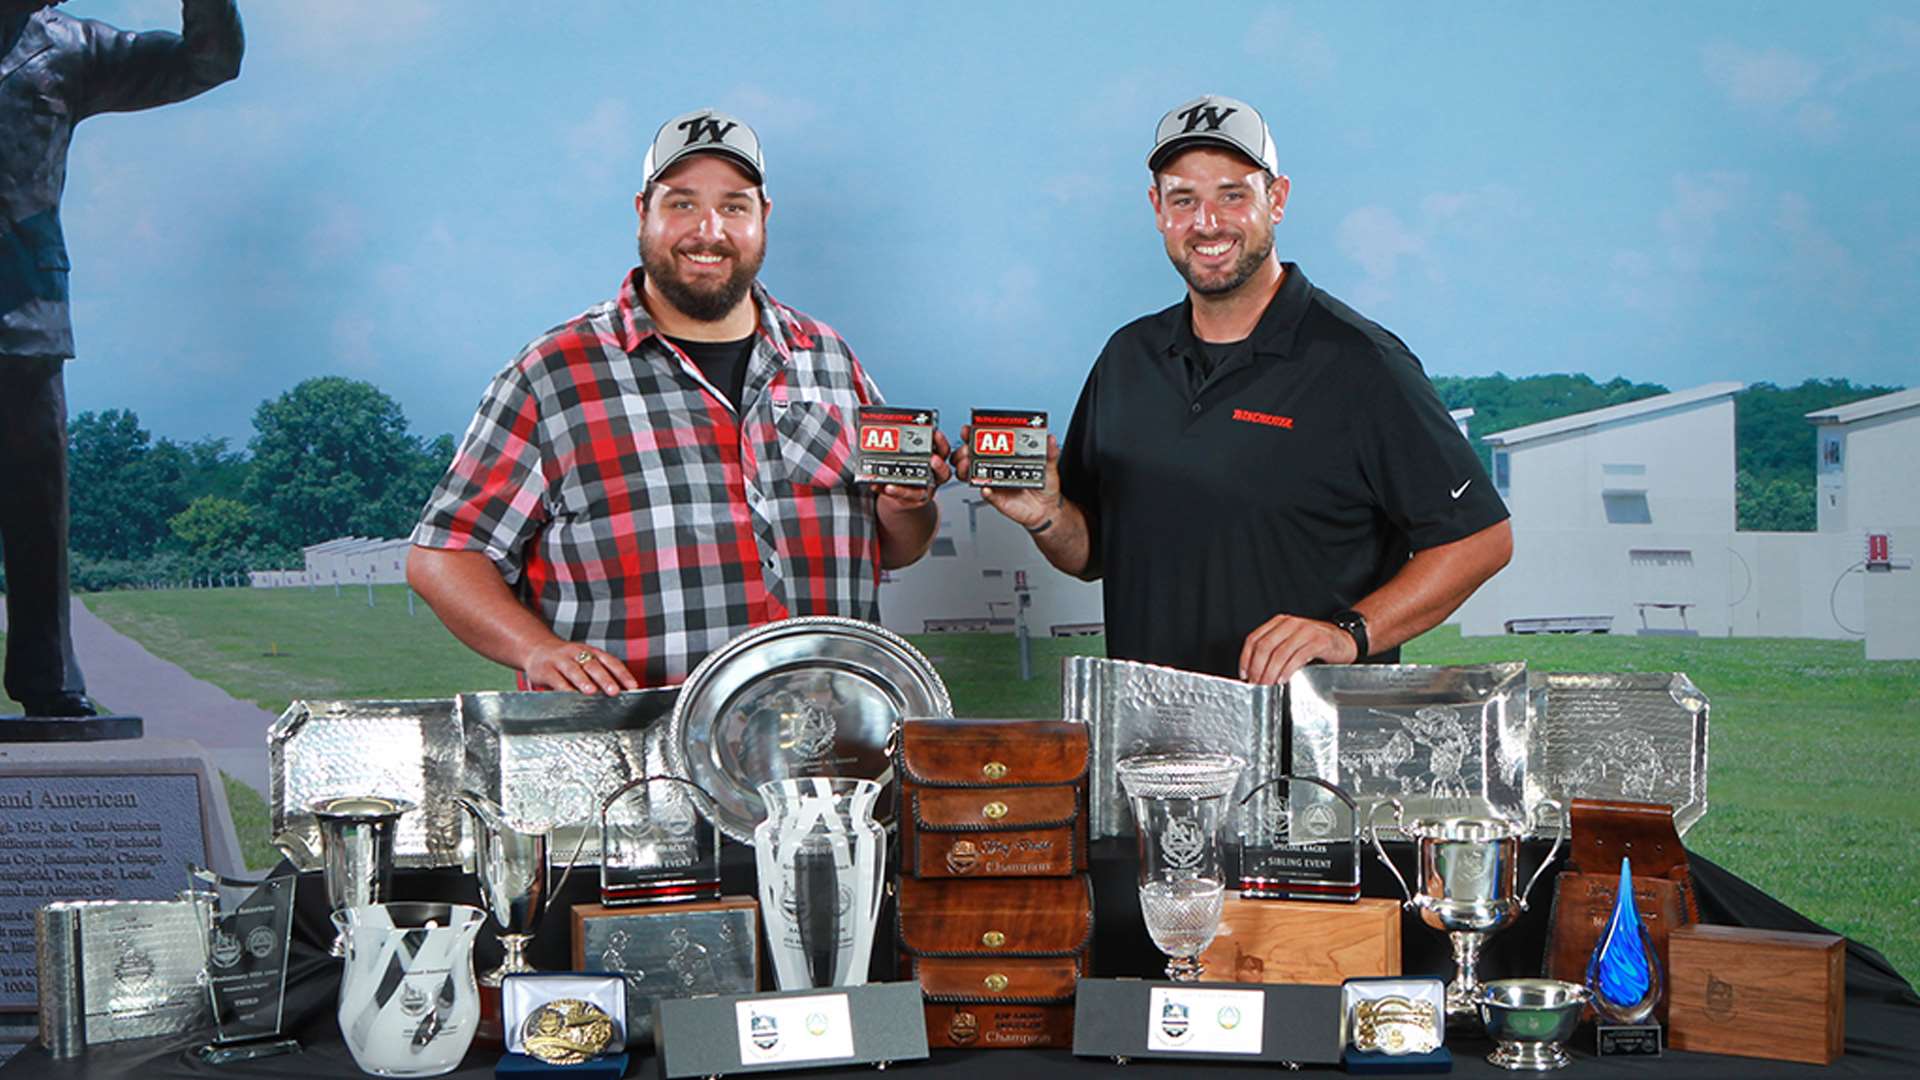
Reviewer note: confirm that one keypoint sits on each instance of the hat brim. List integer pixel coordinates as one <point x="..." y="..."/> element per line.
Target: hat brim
<point x="737" y="157"/>
<point x="1185" y="142"/>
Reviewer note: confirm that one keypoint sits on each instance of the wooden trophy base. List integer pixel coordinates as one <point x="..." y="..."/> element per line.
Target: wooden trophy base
<point x="1300" y="941"/>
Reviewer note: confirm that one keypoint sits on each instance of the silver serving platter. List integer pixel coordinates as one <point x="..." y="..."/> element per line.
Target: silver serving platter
<point x="549" y="760"/>
<point x="812" y="696"/>
<point x="1134" y="708"/>
<point x="1634" y="736"/>
<point x="1445" y="741"/>
<point x="408" y="750"/>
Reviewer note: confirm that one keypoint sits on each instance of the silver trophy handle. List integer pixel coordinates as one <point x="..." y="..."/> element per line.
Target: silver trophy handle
<point x="1373" y="834"/>
<point x="1559" y="839"/>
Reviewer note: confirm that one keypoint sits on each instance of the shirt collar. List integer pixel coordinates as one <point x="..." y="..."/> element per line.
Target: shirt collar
<point x="1272" y="335"/>
<point x="776" y="323"/>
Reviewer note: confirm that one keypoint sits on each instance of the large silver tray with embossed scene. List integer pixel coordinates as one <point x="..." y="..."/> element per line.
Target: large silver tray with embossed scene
<point x="1636" y="736"/>
<point x="545" y="758"/>
<point x="1445" y="741"/>
<point x="1134" y="708"/>
<point x="408" y="750"/>
<point x="811" y="696"/>
<point x="549" y="760"/>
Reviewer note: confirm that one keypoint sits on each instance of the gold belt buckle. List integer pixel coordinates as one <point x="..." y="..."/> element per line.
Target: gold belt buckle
<point x="567" y="1032"/>
<point x="1395" y="1025"/>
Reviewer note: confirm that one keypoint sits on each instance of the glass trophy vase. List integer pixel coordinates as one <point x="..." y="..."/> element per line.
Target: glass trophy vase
<point x="821" y="860"/>
<point x="1179" y="803"/>
<point x="409" y="1005"/>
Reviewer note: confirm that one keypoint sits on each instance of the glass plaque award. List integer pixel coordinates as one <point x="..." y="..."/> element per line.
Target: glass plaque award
<point x="655" y="847"/>
<point x="246" y="924"/>
<point x="1298" y="839"/>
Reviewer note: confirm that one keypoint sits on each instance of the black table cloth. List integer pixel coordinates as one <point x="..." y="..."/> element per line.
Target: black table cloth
<point x="1883" y="1013"/>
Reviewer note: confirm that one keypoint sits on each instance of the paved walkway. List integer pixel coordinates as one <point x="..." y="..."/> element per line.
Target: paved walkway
<point x="124" y="675"/>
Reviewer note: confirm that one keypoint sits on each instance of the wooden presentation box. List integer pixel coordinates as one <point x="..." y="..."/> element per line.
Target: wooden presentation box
<point x="1301" y="941"/>
<point x="1758" y="993"/>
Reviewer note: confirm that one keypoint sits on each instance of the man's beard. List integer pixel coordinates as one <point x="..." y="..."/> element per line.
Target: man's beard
<point x="701" y="303"/>
<point x="1239" y="274"/>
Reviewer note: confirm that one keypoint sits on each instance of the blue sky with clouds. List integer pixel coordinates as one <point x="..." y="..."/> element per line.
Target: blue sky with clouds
<point x="406" y="191"/>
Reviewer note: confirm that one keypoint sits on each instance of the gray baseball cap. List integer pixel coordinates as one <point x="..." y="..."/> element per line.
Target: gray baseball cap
<point x="705" y="131"/>
<point x="1215" y="119"/>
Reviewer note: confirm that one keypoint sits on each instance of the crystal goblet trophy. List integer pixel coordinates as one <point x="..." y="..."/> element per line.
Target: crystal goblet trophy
<point x="822" y="861"/>
<point x="654" y="846"/>
<point x="246" y="926"/>
<point x="1179" y="804"/>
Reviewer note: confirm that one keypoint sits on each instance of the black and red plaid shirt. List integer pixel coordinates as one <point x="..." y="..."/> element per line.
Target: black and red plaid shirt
<point x="634" y="510"/>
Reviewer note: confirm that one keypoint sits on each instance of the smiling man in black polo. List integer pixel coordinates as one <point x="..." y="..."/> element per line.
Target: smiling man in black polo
<point x="1262" y="477"/>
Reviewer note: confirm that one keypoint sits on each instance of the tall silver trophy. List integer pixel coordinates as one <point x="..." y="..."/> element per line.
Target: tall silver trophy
<point x="1179" y="804"/>
<point x="822" y="862"/>
<point x="514" y="868"/>
<point x="1468" y="866"/>
<point x="356" y="850"/>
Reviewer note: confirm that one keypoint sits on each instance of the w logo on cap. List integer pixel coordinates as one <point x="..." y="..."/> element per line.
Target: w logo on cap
<point x="1209" y="115"/>
<point x="713" y="131"/>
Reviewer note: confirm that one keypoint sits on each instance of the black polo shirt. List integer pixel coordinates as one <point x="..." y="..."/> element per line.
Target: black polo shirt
<point x="1296" y="477"/>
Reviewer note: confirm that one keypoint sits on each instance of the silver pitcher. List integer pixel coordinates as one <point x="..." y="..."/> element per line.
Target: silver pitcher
<point x="356" y="850"/>
<point x="513" y="867"/>
<point x="1467" y="872"/>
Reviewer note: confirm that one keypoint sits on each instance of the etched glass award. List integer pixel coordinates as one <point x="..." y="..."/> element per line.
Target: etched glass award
<point x="655" y="847"/>
<point x="246" y="924"/>
<point x="1298" y="841"/>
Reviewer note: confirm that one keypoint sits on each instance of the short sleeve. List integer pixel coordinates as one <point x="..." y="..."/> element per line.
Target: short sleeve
<point x="492" y="497"/>
<point x="1422" y="469"/>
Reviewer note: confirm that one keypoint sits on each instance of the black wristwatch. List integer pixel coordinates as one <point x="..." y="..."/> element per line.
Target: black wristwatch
<point x="1355" y="624"/>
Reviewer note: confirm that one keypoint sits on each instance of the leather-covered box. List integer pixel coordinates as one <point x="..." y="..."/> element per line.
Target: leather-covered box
<point x="997" y="960"/>
<point x="1603" y="833"/>
<point x="992" y="798"/>
<point x="1758" y="993"/>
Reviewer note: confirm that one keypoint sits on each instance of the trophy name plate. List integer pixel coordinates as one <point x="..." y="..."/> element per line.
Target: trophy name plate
<point x="1009" y="449"/>
<point x="1132" y="1018"/>
<point x="119" y="969"/>
<point x="875" y="1024"/>
<point x="896" y="445"/>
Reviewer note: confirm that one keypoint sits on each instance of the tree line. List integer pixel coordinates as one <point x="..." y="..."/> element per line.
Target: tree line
<point x="335" y="457"/>
<point x="1774" y="444"/>
<point x="331" y="457"/>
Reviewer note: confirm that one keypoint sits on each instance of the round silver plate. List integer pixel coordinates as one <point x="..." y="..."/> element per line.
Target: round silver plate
<point x="813" y="696"/>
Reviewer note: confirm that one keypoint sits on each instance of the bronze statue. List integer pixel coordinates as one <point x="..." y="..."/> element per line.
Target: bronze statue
<point x="56" y="70"/>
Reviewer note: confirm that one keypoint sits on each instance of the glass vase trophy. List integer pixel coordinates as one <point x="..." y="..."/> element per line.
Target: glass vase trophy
<point x="822" y="861"/>
<point x="408" y="1002"/>
<point x="1179" y="803"/>
<point x="246" y="928"/>
<point x="1624" y="978"/>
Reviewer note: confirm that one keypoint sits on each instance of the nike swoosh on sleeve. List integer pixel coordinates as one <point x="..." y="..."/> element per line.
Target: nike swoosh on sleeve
<point x="1456" y="492"/>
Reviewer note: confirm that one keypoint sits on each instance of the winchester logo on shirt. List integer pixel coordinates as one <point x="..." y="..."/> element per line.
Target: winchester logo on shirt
<point x="1250" y="416"/>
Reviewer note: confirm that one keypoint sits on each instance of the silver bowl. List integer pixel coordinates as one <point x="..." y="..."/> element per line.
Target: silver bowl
<point x="1530" y="1018"/>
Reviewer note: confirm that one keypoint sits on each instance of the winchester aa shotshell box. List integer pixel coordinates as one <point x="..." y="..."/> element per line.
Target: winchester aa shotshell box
<point x="1009" y="448"/>
<point x="896" y="445"/>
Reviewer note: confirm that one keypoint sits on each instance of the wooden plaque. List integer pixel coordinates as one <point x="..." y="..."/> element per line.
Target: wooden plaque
<point x="1758" y="993"/>
<point x="1300" y="941"/>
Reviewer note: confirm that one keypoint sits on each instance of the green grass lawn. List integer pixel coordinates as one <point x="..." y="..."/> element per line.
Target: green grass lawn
<point x="1812" y="744"/>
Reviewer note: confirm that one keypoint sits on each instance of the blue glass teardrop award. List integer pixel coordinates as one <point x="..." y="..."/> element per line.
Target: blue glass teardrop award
<point x="1625" y="979"/>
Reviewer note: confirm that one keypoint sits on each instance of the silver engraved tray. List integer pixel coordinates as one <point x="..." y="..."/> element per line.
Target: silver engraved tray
<point x="1634" y="736"/>
<point x="813" y="696"/>
<point x="120" y="969"/>
<point x="551" y="759"/>
<point x="546" y="758"/>
<point x="1134" y="708"/>
<point x="408" y="750"/>
<point x="672" y="952"/>
<point x="1445" y="741"/>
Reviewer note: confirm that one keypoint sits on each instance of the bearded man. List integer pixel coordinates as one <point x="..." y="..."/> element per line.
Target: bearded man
<point x="1261" y="477"/>
<point x="55" y="71"/>
<point x="672" y="466"/>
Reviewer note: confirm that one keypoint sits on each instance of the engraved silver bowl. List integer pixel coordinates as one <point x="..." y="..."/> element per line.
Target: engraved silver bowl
<point x="1529" y="1019"/>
